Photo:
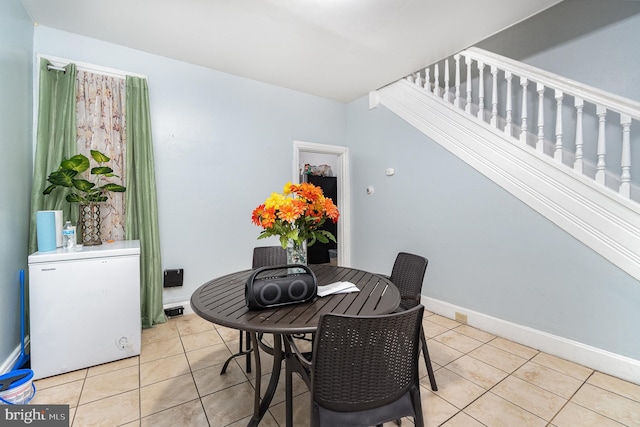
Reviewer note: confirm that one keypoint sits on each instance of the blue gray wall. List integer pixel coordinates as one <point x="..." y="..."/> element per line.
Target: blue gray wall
<point x="222" y="145"/>
<point x="488" y="251"/>
<point x="16" y="41"/>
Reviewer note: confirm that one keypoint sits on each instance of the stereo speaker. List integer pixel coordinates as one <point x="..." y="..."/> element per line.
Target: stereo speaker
<point x="274" y="286"/>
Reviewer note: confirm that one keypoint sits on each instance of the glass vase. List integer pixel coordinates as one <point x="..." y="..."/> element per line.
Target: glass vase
<point x="297" y="253"/>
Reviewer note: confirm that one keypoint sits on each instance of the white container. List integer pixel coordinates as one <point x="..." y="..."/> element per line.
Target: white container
<point x="84" y="307"/>
<point x="20" y="394"/>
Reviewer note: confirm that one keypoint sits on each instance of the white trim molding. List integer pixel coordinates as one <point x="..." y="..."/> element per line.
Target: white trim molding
<point x="604" y="361"/>
<point x="598" y="217"/>
<point x="344" y="184"/>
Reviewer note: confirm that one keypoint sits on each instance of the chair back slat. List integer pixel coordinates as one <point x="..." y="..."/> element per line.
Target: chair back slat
<point x="267" y="256"/>
<point x="364" y="362"/>
<point x="408" y="275"/>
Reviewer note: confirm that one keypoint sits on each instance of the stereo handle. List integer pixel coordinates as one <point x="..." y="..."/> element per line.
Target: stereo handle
<point x="279" y="267"/>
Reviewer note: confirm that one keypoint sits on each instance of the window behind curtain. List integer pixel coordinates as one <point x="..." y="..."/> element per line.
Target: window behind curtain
<point x="100" y="115"/>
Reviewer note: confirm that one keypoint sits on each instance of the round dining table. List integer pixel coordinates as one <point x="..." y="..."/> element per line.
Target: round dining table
<point x="222" y="301"/>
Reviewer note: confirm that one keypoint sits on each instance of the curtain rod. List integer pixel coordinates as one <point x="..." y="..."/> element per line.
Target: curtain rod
<point x="58" y="62"/>
<point x="53" y="67"/>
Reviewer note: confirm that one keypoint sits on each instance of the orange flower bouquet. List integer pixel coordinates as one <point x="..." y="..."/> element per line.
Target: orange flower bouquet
<point x="296" y="215"/>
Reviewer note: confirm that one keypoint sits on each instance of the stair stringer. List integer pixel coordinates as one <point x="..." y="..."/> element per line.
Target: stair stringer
<point x="597" y="216"/>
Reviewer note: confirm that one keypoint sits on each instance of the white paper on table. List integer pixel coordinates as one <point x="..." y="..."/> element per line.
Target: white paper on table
<point x="337" y="288"/>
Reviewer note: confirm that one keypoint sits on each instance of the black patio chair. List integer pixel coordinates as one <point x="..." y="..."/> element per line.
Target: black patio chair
<point x="408" y="275"/>
<point x="363" y="370"/>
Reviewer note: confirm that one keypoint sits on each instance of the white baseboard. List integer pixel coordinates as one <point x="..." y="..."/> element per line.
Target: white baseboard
<point x="604" y="361"/>
<point x="185" y="304"/>
<point x="7" y="365"/>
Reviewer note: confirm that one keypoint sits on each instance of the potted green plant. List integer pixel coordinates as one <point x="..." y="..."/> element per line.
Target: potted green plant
<point x="85" y="192"/>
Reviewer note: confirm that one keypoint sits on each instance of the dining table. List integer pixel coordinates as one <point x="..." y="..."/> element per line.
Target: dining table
<point x="222" y="301"/>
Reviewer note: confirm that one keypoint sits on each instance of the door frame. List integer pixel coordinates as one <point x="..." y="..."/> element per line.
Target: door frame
<point x="344" y="184"/>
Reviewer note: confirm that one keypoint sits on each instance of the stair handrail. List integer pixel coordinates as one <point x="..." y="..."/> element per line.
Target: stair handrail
<point x="592" y="94"/>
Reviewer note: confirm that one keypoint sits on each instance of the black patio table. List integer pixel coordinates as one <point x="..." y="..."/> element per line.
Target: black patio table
<point x="221" y="301"/>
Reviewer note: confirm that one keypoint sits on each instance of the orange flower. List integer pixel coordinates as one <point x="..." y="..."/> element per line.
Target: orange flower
<point x="296" y="214"/>
<point x="331" y="210"/>
<point x="268" y="217"/>
<point x="290" y="211"/>
<point x="256" y="214"/>
<point x="309" y="191"/>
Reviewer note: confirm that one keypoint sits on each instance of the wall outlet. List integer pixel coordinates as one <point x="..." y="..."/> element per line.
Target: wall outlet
<point x="462" y="318"/>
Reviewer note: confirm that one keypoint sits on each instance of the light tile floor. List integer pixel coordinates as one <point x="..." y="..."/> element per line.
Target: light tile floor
<point x="483" y="380"/>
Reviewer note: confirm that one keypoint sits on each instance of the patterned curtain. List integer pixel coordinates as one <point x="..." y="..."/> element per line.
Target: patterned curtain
<point x="100" y="112"/>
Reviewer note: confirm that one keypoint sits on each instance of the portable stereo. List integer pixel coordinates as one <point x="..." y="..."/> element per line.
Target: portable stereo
<point x="274" y="286"/>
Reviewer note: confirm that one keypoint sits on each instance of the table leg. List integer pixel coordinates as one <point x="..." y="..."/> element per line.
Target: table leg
<point x="260" y="407"/>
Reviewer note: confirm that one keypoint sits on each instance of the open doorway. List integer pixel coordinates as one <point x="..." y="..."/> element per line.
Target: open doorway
<point x="338" y="156"/>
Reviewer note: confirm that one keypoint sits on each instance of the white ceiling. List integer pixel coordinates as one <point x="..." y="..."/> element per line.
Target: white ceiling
<point x="337" y="49"/>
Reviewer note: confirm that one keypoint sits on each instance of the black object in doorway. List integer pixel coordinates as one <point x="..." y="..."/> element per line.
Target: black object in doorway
<point x="319" y="252"/>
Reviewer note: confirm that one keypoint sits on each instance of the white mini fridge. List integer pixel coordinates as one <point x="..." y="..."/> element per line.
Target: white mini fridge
<point x="84" y="307"/>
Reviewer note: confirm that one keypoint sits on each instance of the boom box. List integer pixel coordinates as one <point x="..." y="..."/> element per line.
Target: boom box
<point x="276" y="285"/>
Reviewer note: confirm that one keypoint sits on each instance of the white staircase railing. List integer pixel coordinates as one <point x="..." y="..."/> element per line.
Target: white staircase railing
<point x="607" y="159"/>
<point x="580" y="179"/>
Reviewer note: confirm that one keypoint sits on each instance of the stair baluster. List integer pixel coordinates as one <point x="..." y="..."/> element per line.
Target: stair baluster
<point x="557" y="154"/>
<point x="540" y="140"/>
<point x="427" y="79"/>
<point x="601" y="166"/>
<point x="456" y="99"/>
<point x="494" y="97"/>
<point x="445" y="94"/>
<point x="578" y="165"/>
<point x="481" y="91"/>
<point x="523" y="126"/>
<point x="508" y="128"/>
<point x="467" y="107"/>
<point x="625" y="163"/>
<point x="436" y="80"/>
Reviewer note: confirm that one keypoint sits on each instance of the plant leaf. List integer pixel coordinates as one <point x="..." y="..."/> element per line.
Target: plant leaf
<point x="113" y="187"/>
<point x="78" y="163"/>
<point x="73" y="197"/>
<point x="101" y="170"/>
<point x="62" y="177"/>
<point x="83" y="184"/>
<point x="49" y="189"/>
<point x="99" y="157"/>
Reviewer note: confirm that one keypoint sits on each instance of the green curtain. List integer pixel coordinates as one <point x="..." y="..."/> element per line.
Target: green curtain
<point x="141" y="217"/>
<point x="55" y="140"/>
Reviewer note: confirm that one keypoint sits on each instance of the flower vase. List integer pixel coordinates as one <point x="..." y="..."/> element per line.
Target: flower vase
<point x="89" y="224"/>
<point x="297" y="254"/>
